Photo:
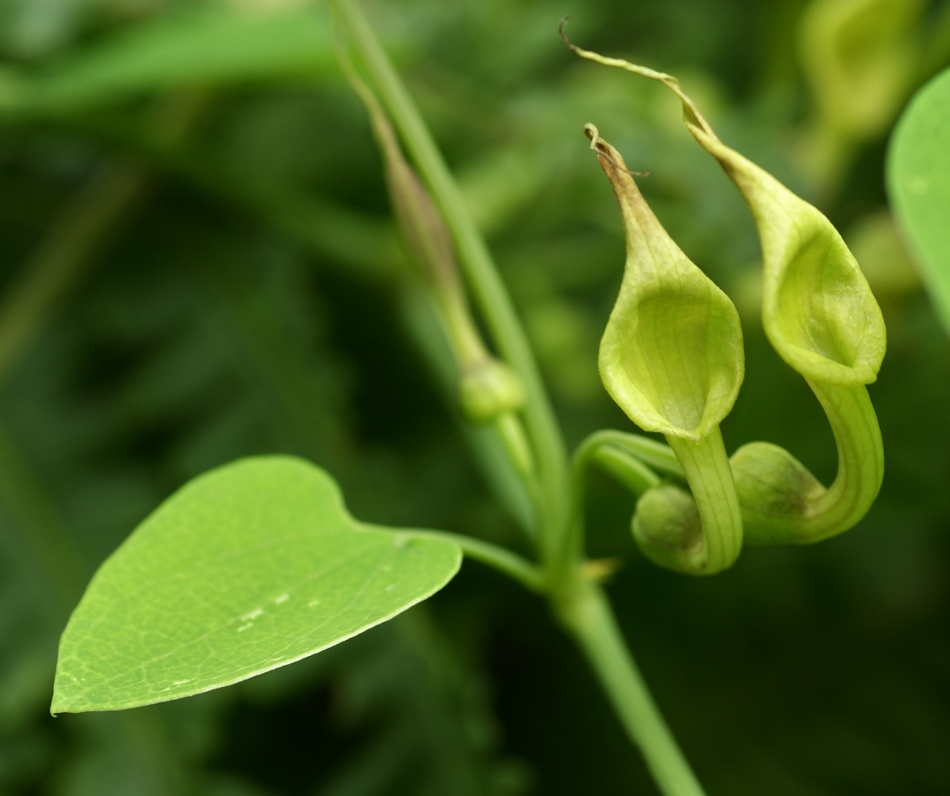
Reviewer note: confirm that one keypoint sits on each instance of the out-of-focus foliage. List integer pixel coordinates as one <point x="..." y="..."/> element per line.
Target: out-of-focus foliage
<point x="199" y="232"/>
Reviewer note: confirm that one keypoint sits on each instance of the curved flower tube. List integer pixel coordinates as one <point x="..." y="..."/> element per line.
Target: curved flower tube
<point x="783" y="503"/>
<point x="821" y="317"/>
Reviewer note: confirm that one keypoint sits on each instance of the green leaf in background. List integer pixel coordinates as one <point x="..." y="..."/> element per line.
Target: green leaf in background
<point x="247" y="568"/>
<point x="918" y="181"/>
<point x="205" y="46"/>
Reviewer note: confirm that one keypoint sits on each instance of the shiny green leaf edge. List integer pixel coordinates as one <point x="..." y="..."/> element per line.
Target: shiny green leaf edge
<point x="918" y="183"/>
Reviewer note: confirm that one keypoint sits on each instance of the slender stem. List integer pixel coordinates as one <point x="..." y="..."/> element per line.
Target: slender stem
<point x="427" y="238"/>
<point x="611" y="451"/>
<point x="631" y="472"/>
<point x="487" y="288"/>
<point x="511" y="564"/>
<point x="651" y="452"/>
<point x="714" y="490"/>
<point x="590" y="620"/>
<point x="580" y="603"/>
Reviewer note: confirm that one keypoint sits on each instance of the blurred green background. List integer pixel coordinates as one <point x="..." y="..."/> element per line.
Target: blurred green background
<point x="197" y="263"/>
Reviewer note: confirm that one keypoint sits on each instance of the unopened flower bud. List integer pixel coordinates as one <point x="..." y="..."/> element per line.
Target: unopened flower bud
<point x="489" y="388"/>
<point x="668" y="528"/>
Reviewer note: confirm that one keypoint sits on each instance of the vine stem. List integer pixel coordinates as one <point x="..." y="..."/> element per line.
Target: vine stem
<point x="487" y="288"/>
<point x="511" y="564"/>
<point x="590" y="619"/>
<point x="602" y="448"/>
<point x="578" y="601"/>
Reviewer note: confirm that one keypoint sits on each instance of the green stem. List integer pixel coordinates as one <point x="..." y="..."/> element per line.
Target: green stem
<point x="657" y="455"/>
<point x="584" y="609"/>
<point x="631" y="472"/>
<point x="590" y="620"/>
<point x="511" y="564"/>
<point x="487" y="288"/>
<point x="710" y="480"/>
<point x="615" y="452"/>
<point x="860" y="461"/>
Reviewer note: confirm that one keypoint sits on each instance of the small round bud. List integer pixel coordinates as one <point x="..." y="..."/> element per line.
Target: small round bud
<point x="668" y="529"/>
<point x="776" y="492"/>
<point x="489" y="388"/>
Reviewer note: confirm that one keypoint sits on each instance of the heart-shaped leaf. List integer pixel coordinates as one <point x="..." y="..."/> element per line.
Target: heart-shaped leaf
<point x="918" y="180"/>
<point x="249" y="567"/>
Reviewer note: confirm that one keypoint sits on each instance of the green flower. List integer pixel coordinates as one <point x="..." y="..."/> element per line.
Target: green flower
<point x="821" y="317"/>
<point x="672" y="358"/>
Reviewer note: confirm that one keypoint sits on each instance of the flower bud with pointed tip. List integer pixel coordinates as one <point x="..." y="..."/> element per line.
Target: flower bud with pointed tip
<point x="671" y="355"/>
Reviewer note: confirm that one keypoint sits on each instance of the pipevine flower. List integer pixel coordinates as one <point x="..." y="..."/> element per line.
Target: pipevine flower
<point x="672" y="358"/>
<point x="818" y="313"/>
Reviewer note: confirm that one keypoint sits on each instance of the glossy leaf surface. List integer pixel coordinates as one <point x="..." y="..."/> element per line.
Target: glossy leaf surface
<point x="246" y="568"/>
<point x="918" y="172"/>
